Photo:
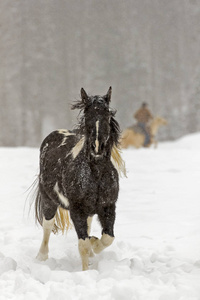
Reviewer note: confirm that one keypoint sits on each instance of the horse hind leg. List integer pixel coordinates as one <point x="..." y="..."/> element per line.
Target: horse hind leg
<point x="44" y="248"/>
<point x="82" y="226"/>
<point x="48" y="210"/>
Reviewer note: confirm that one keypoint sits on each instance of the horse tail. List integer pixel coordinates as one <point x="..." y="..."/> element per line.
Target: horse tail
<point x="38" y="207"/>
<point x="62" y="221"/>
<point x="62" y="218"/>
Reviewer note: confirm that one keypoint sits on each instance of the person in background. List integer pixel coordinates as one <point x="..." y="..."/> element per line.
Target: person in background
<point x="143" y="116"/>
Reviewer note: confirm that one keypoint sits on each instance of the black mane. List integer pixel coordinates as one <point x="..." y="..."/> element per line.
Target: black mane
<point x="115" y="131"/>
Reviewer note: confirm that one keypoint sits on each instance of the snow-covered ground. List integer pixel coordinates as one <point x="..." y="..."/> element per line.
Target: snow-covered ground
<point x="156" y="252"/>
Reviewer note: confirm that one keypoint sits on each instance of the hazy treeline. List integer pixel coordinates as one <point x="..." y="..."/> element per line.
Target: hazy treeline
<point x="148" y="50"/>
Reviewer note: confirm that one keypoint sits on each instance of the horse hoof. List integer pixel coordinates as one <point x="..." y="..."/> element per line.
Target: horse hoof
<point x="93" y="240"/>
<point x="41" y="256"/>
<point x="91" y="254"/>
<point x="95" y="243"/>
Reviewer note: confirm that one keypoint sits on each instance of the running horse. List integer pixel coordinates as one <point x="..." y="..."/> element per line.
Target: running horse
<point x="79" y="174"/>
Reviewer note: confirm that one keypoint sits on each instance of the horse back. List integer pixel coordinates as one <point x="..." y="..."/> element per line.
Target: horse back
<point x="54" y="148"/>
<point x="58" y="138"/>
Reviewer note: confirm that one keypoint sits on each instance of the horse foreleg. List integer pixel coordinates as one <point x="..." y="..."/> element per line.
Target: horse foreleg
<point x="155" y="144"/>
<point x="44" y="249"/>
<point x="84" y="247"/>
<point x="99" y="245"/>
<point x="82" y="226"/>
<point x="107" y="219"/>
<point x="89" y="222"/>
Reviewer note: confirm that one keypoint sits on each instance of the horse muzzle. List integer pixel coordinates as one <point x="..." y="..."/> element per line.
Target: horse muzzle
<point x="98" y="150"/>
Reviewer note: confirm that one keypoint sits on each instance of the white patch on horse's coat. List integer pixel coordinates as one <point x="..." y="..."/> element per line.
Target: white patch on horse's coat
<point x="96" y="155"/>
<point x="98" y="245"/>
<point x="89" y="222"/>
<point x="97" y="137"/>
<point x="44" y="249"/>
<point x="84" y="250"/>
<point x="63" y="142"/>
<point x="61" y="197"/>
<point x="66" y="133"/>
<point x="78" y="147"/>
<point x="45" y="147"/>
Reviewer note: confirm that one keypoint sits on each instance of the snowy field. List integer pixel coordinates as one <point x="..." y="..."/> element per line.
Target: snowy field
<point x="156" y="252"/>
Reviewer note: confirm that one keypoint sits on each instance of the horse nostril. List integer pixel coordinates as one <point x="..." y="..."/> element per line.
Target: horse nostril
<point x="102" y="147"/>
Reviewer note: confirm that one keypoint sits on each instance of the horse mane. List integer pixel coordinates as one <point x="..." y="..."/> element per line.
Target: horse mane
<point x="114" y="139"/>
<point x="115" y="134"/>
<point x="118" y="161"/>
<point x="115" y="131"/>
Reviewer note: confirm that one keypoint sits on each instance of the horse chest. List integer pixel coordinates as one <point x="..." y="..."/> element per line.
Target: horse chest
<point x="90" y="185"/>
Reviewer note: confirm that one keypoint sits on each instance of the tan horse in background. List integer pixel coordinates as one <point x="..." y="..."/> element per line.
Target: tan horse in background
<point x="136" y="139"/>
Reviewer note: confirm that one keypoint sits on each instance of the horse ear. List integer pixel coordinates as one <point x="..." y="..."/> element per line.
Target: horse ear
<point x="84" y="95"/>
<point x="108" y="95"/>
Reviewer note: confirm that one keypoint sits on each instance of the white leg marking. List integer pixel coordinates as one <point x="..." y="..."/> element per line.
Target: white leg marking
<point x="78" y="147"/>
<point x="44" y="249"/>
<point x="84" y="250"/>
<point x="89" y="222"/>
<point x="61" y="197"/>
<point x="97" y="137"/>
<point x="98" y="245"/>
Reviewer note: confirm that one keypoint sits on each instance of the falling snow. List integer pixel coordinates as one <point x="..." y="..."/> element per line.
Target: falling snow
<point x="156" y="252"/>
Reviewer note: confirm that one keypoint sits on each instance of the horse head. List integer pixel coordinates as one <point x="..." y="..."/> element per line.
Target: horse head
<point x="156" y="123"/>
<point x="97" y="123"/>
<point x="161" y="121"/>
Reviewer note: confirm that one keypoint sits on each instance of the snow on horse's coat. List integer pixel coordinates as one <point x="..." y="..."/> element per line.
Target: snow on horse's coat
<point x="79" y="173"/>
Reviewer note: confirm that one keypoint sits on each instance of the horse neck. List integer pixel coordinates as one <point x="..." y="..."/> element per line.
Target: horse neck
<point x="154" y="126"/>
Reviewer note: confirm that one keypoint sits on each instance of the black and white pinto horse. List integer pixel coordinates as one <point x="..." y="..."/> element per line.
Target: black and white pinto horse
<point x="78" y="173"/>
